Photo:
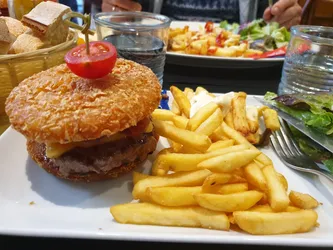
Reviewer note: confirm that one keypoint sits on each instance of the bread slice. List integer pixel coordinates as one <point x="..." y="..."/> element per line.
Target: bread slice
<point x="15" y="27"/>
<point x="5" y="38"/>
<point x="26" y="43"/>
<point x="45" y="20"/>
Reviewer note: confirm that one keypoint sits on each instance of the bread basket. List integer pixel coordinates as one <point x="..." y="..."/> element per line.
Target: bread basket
<point x="15" y="68"/>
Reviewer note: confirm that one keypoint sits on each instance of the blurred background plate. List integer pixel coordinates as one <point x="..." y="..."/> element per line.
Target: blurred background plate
<point x="215" y="61"/>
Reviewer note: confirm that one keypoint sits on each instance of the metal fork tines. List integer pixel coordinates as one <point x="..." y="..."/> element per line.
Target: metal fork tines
<point x="287" y="149"/>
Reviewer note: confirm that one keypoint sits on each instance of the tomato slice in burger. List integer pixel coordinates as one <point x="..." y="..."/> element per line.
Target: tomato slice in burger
<point x="99" y="63"/>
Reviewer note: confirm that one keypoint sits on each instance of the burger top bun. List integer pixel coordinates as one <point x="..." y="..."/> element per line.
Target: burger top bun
<point x="56" y="106"/>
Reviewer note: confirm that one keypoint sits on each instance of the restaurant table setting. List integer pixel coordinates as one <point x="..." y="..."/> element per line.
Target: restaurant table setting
<point x="150" y="133"/>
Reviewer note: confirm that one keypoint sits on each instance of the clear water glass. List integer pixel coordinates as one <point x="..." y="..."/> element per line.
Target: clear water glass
<point x="138" y="36"/>
<point x="308" y="65"/>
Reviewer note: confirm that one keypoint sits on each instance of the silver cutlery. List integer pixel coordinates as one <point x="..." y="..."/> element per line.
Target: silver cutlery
<point x="289" y="152"/>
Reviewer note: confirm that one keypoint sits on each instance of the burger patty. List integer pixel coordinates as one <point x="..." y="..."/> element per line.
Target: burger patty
<point x="102" y="158"/>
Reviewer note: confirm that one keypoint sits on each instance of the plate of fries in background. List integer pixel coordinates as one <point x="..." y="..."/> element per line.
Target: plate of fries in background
<point x="211" y="46"/>
<point x="212" y="179"/>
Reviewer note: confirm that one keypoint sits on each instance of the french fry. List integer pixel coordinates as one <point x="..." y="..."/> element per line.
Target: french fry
<point x="139" y="176"/>
<point x="255" y="176"/>
<point x="220" y="144"/>
<point x="218" y="135"/>
<point x="238" y="105"/>
<point x="271" y="119"/>
<point x="175" y="108"/>
<point x="182" y="101"/>
<point x="189" y="162"/>
<point x="187" y="138"/>
<point x="200" y="89"/>
<point x="180" y="121"/>
<point x="262" y="208"/>
<point x="162" y="114"/>
<point x="239" y="172"/>
<point x="228" y="119"/>
<point x="254" y="122"/>
<point x="253" y="138"/>
<point x="194" y="178"/>
<point x="201" y="115"/>
<point x="158" y="168"/>
<point x="263" y="200"/>
<point x="259" y="223"/>
<point x="267" y="209"/>
<point x="228" y="202"/>
<point x="239" y="139"/>
<point x="261" y="109"/>
<point x="211" y="124"/>
<point x="213" y="181"/>
<point x="173" y="196"/>
<point x="151" y="214"/>
<point x="303" y="201"/>
<point x="189" y="93"/>
<point x="231" y="219"/>
<point x="237" y="179"/>
<point x="233" y="188"/>
<point x="278" y="197"/>
<point x="228" y="162"/>
<point x="283" y="181"/>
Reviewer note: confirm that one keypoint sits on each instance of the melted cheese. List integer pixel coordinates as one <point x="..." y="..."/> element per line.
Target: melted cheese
<point x="55" y="150"/>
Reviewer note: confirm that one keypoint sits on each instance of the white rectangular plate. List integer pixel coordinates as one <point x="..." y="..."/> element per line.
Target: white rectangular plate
<point x="65" y="209"/>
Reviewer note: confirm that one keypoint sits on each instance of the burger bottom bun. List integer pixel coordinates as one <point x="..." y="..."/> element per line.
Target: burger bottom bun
<point x="37" y="153"/>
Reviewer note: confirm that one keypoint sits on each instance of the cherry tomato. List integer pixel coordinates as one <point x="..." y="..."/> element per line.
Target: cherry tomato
<point x="138" y="129"/>
<point x="98" y="63"/>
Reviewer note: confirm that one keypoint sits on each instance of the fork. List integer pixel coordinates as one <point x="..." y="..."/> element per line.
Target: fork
<point x="287" y="149"/>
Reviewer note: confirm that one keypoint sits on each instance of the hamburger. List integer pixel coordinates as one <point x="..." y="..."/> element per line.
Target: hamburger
<point x="87" y="129"/>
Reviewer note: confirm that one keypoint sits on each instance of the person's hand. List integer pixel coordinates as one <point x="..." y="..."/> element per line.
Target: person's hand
<point x="120" y="5"/>
<point x="286" y="12"/>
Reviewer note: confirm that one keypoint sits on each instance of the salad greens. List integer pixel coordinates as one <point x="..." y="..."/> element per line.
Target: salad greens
<point x="316" y="152"/>
<point x="230" y="27"/>
<point x="315" y="111"/>
<point x="260" y="34"/>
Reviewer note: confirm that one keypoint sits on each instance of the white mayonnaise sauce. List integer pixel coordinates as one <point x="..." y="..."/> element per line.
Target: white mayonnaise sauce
<point x="203" y="98"/>
<point x="223" y="100"/>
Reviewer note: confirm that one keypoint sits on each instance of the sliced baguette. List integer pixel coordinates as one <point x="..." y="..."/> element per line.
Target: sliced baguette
<point x="26" y="43"/>
<point x="15" y="27"/>
<point x="45" y="21"/>
<point x="5" y="38"/>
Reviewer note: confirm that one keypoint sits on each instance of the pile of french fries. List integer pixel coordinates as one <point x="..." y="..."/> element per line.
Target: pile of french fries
<point x="210" y="40"/>
<point x="213" y="176"/>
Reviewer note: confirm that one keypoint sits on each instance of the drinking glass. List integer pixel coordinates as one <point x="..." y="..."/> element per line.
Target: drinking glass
<point x="138" y="36"/>
<point x="308" y="65"/>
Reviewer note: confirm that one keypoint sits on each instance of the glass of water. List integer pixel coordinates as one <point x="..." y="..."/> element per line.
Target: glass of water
<point x="138" y="36"/>
<point x="308" y="65"/>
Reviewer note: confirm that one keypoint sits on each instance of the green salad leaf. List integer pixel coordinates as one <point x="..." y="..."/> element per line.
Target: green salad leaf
<point x="281" y="36"/>
<point x="317" y="153"/>
<point x="230" y="27"/>
<point x="272" y="35"/>
<point x="316" y="111"/>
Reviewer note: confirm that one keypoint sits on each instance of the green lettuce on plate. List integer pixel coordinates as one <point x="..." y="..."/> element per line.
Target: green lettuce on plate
<point x="233" y="27"/>
<point x="316" y="111"/>
<point x="260" y="34"/>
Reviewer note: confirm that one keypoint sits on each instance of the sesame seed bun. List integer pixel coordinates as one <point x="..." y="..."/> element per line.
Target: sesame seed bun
<point x="56" y="106"/>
